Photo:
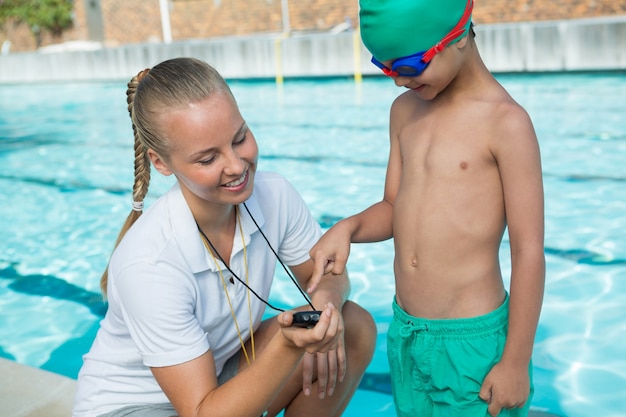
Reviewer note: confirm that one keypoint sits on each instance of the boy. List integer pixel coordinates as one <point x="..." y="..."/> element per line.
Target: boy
<point x="464" y="164"/>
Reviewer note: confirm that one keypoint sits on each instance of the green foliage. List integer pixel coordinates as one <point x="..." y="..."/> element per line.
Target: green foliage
<point x="53" y="16"/>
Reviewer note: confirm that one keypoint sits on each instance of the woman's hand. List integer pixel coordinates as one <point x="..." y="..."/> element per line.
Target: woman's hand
<point x="324" y="346"/>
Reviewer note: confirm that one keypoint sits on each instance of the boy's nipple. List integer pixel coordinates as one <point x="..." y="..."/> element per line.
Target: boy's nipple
<point x="463" y="165"/>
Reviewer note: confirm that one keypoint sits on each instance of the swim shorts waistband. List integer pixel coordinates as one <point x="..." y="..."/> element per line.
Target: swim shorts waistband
<point x="461" y="326"/>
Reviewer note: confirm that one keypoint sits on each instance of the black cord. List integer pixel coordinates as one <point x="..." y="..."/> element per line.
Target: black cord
<point x="241" y="281"/>
<point x="306" y="297"/>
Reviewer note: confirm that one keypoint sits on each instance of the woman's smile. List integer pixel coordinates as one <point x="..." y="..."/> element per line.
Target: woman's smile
<point x="240" y="182"/>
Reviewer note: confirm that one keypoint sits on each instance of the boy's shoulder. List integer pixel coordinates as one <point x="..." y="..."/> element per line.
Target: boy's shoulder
<point x="503" y="117"/>
<point x="488" y="94"/>
<point x="505" y="108"/>
<point x="494" y="101"/>
<point x="489" y="109"/>
<point x="407" y="106"/>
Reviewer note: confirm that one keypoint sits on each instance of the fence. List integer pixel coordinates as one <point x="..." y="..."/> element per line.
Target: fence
<point x="568" y="45"/>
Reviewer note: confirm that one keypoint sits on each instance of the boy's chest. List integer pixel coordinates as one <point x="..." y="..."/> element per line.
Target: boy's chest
<point x="444" y="148"/>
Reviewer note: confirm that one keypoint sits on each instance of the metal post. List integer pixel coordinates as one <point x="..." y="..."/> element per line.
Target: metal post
<point x="165" y="21"/>
<point x="285" y="11"/>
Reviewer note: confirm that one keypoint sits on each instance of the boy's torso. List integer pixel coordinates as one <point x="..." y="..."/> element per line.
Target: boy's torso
<point x="449" y="215"/>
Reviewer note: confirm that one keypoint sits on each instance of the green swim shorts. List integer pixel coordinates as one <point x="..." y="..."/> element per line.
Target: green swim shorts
<point x="438" y="366"/>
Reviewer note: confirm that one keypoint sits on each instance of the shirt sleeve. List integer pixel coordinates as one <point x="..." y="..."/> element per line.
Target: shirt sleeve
<point x="301" y="230"/>
<point x="157" y="302"/>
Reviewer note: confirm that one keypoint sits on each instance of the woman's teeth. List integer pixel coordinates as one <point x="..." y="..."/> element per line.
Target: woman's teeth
<point x="238" y="181"/>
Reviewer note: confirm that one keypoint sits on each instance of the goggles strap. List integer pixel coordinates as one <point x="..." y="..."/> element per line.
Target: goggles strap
<point x="457" y="31"/>
<point x="389" y="72"/>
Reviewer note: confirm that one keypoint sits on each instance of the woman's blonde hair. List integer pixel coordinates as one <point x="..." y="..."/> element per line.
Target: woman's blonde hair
<point x="168" y="86"/>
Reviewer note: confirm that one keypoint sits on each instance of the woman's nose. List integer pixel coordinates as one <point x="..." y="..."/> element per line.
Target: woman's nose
<point x="234" y="164"/>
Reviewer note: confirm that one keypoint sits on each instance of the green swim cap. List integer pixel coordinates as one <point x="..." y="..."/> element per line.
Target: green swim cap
<point x="393" y="29"/>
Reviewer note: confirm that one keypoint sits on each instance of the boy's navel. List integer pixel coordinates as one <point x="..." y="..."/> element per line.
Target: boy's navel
<point x="414" y="262"/>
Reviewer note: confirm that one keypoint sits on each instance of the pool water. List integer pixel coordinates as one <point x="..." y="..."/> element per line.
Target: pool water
<point x="66" y="172"/>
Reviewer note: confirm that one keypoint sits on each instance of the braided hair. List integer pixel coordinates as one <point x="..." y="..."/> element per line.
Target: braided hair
<point x="168" y="86"/>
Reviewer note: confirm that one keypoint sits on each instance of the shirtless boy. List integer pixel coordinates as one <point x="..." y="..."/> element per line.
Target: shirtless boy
<point x="464" y="165"/>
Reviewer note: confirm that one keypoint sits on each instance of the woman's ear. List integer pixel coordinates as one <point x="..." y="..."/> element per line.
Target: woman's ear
<point x="159" y="163"/>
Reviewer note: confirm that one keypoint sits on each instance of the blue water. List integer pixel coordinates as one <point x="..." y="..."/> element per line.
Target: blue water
<point x="66" y="171"/>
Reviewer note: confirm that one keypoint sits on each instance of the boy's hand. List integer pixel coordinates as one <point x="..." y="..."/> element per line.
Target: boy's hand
<point x="329" y="255"/>
<point x="505" y="387"/>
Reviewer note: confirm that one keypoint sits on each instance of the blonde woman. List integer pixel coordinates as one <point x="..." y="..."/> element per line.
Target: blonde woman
<point x="188" y="282"/>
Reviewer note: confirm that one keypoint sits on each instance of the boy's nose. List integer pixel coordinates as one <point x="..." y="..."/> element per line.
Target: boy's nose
<point x="401" y="81"/>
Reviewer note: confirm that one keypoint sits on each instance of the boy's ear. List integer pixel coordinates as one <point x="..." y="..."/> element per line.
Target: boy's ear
<point x="159" y="163"/>
<point x="463" y="41"/>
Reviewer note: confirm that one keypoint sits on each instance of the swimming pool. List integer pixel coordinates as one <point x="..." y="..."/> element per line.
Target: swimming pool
<point x="66" y="171"/>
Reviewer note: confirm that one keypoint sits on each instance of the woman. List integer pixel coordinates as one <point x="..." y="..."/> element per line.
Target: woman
<point x="188" y="281"/>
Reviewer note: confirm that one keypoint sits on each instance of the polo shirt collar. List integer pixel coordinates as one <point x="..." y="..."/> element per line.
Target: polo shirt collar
<point x="188" y="236"/>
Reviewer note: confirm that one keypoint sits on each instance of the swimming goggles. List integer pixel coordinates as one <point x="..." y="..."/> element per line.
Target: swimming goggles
<point x="414" y="65"/>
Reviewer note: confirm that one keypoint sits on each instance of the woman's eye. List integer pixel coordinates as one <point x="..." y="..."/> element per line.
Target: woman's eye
<point x="241" y="140"/>
<point x="206" y="161"/>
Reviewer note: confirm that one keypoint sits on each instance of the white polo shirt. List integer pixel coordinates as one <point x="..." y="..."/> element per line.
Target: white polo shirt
<point x="167" y="303"/>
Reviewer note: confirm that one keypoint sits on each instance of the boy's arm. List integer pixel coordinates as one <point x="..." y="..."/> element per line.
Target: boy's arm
<point x="373" y="224"/>
<point x="519" y="162"/>
<point x="330" y="253"/>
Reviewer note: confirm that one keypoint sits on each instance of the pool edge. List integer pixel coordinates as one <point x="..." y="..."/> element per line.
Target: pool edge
<point x="33" y="392"/>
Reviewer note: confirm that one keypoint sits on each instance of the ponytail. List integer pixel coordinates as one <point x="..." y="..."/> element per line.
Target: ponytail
<point x="172" y="84"/>
<point x="142" y="173"/>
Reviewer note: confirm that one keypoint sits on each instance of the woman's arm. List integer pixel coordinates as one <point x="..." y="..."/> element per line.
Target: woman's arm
<point x="192" y="386"/>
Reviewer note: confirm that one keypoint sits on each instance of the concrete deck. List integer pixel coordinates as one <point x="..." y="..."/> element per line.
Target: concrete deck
<point x="31" y="392"/>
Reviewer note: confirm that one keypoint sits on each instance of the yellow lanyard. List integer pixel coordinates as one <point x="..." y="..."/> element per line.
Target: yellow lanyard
<point x="230" y="304"/>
